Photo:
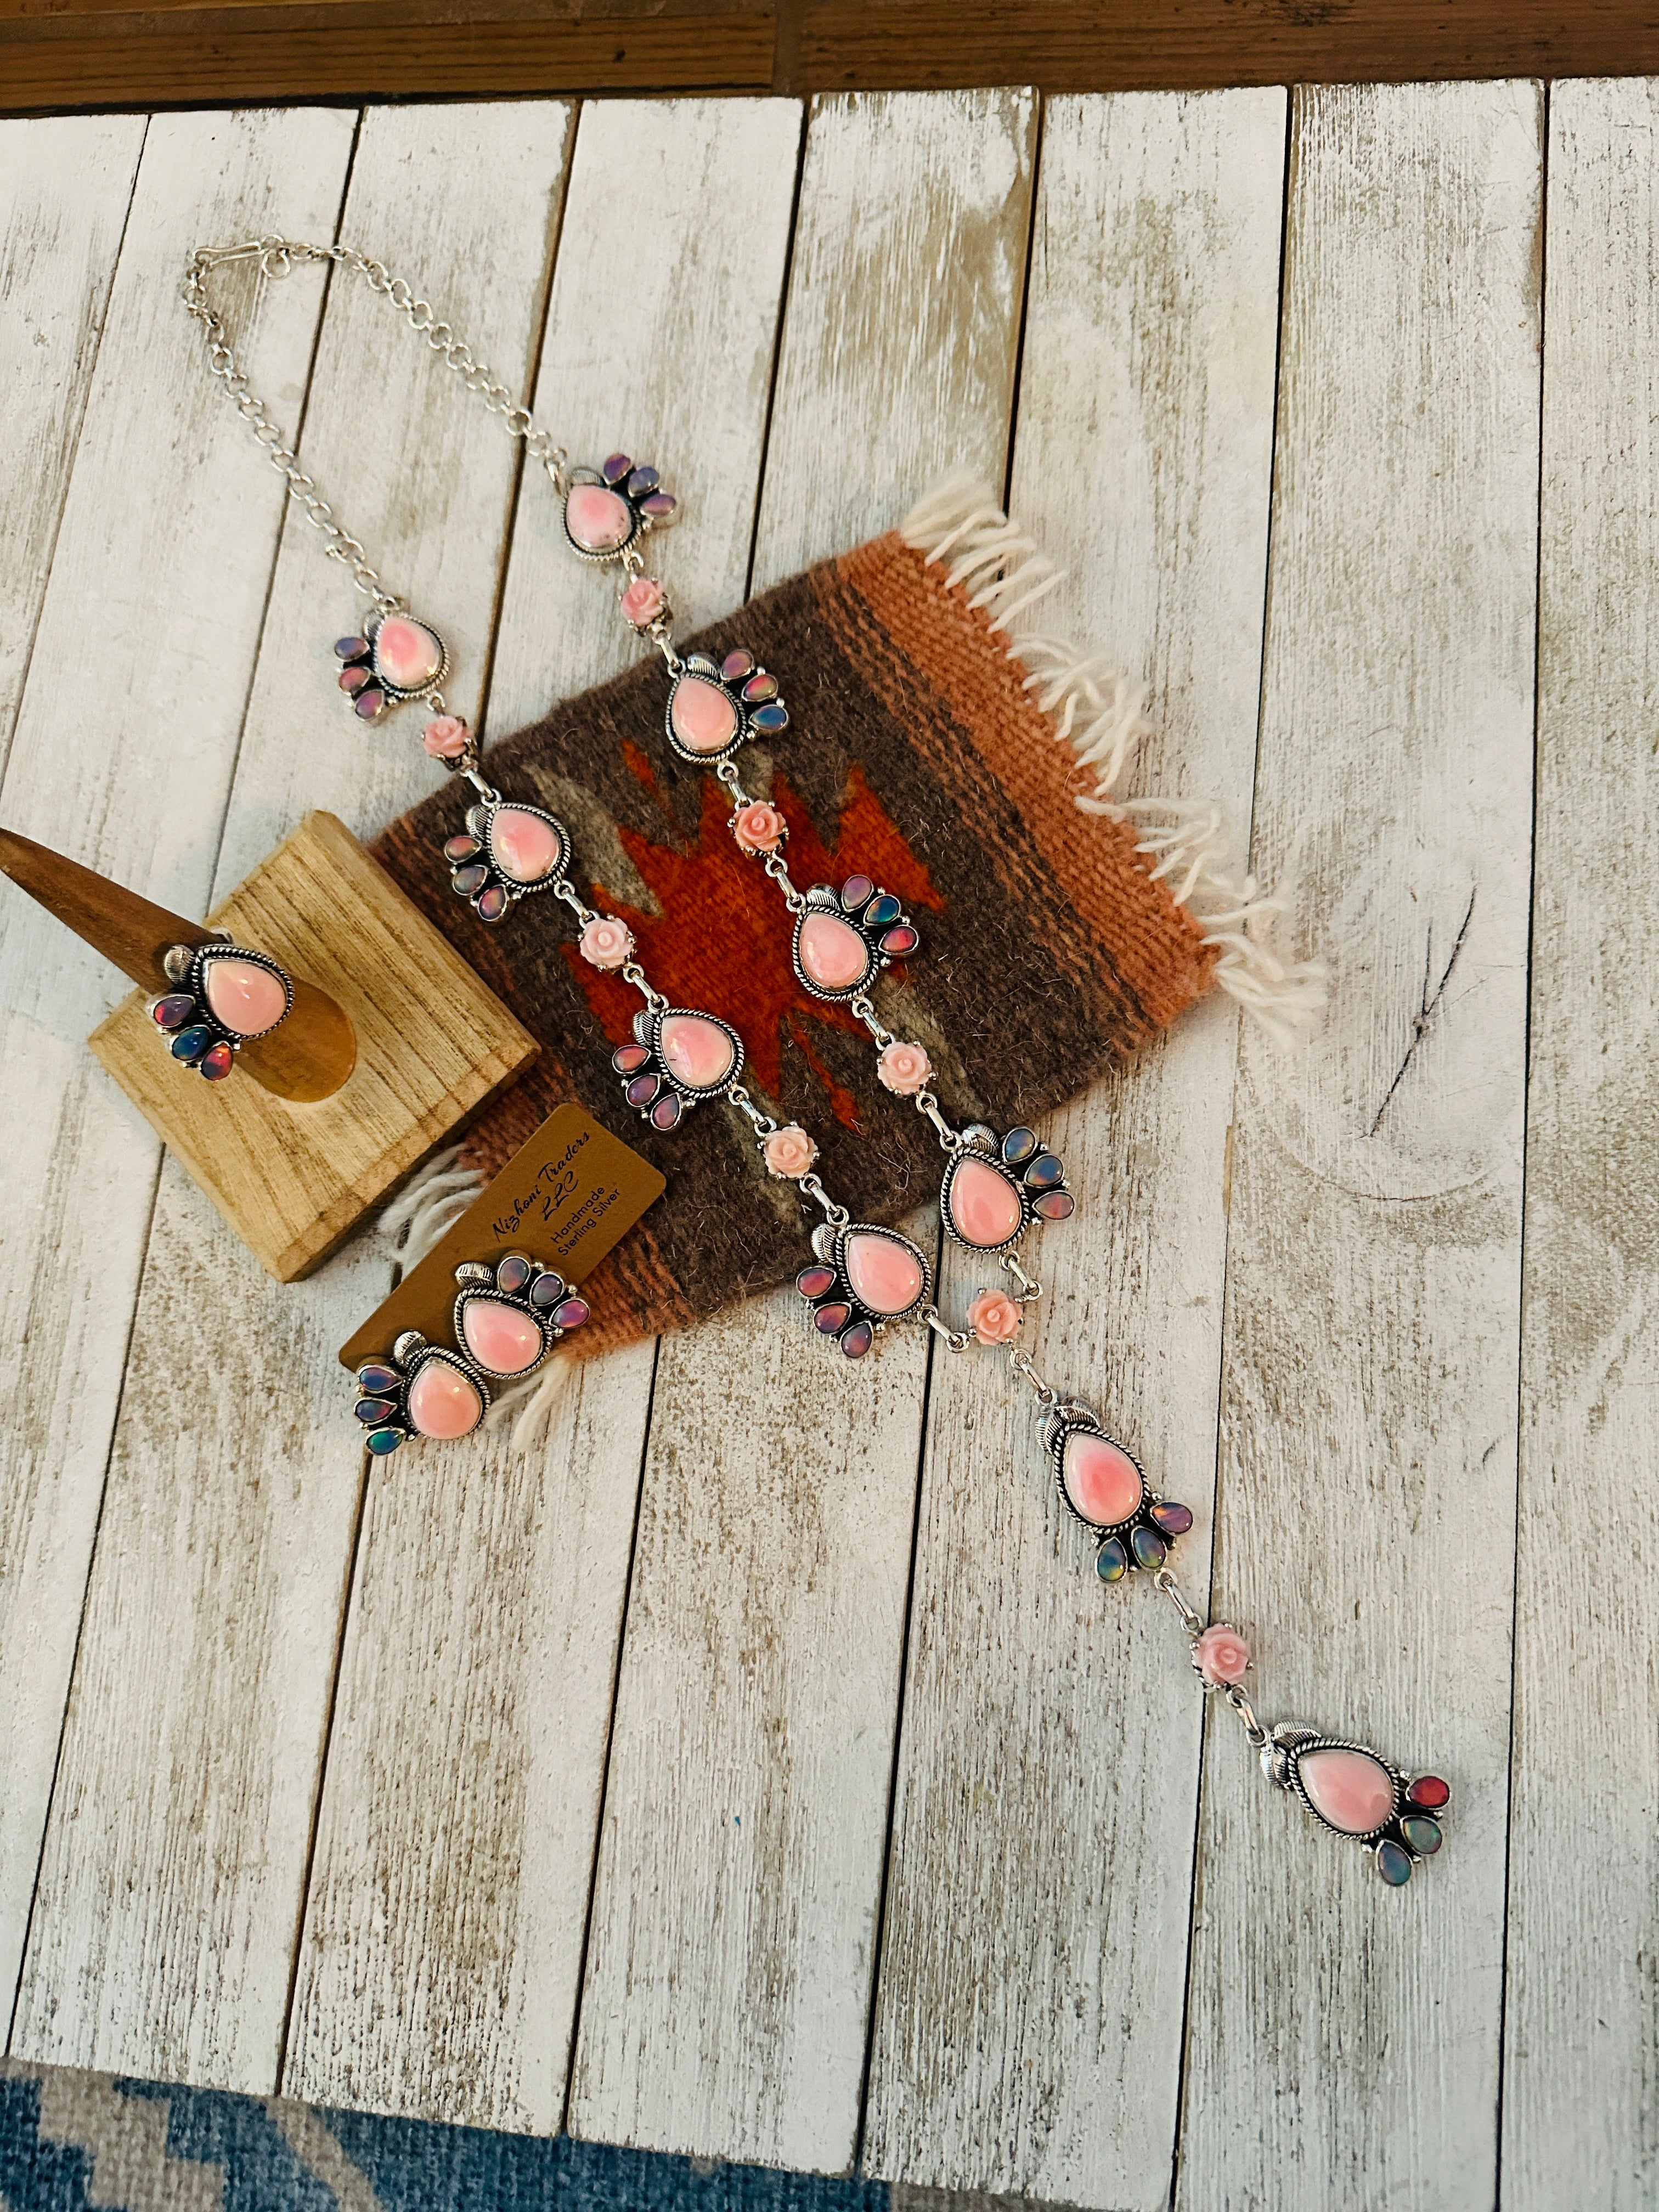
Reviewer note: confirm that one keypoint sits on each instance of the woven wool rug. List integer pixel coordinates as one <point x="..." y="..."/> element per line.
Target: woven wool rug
<point x="938" y="743"/>
<point x="74" y="2142"/>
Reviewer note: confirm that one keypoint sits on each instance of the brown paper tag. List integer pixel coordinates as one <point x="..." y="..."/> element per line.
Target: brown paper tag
<point x="564" y="1199"/>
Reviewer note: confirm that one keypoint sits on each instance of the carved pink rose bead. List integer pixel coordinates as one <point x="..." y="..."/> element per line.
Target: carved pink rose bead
<point x="1221" y="1655"/>
<point x="605" y="942"/>
<point x="759" y="828"/>
<point x="904" y="1068"/>
<point x="643" y="601"/>
<point x="789" y="1152"/>
<point x="994" y="1317"/>
<point x="445" y="739"/>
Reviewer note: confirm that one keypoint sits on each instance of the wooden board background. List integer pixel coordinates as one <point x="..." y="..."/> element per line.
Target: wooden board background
<point x="842" y="1821"/>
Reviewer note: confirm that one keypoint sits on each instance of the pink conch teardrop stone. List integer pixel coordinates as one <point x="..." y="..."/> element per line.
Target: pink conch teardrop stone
<point x="1102" y="1480"/>
<point x="503" y="1341"/>
<point x="1352" y="1790"/>
<point x="699" y="1052"/>
<point x="832" y="952"/>
<point x="246" y="998"/>
<point x="443" y="1402"/>
<point x="984" y="1204"/>
<point x="596" y="518"/>
<point x="886" y="1275"/>
<point x="522" y="845"/>
<point x="406" y="654"/>
<point x="704" y="719"/>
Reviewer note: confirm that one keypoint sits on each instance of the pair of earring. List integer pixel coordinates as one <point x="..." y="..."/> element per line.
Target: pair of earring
<point x="507" y="1319"/>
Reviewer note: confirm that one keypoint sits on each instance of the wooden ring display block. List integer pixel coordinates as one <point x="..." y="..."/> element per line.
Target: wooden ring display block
<point x="434" y="1045"/>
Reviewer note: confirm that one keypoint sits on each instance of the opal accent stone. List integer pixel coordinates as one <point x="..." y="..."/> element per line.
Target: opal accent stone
<point x="832" y="953"/>
<point x="760" y="688"/>
<point x="503" y="1340"/>
<point x="830" y="1320"/>
<point x="1111" y="1560"/>
<point x="462" y="847"/>
<point x="737" y="664"/>
<point x="1394" y="1863"/>
<point x="813" y="1282"/>
<point x="217" y="1063"/>
<point x="665" y="1114"/>
<point x="598" y="519"/>
<point x="173" y="1012"/>
<point x="855" y="891"/>
<point x="1055" y="1206"/>
<point x="856" y="1341"/>
<point x="769" y="719"/>
<point x="704" y="718"/>
<point x="983" y="1205"/>
<point x="658" y="505"/>
<point x="898" y="943"/>
<point x="1018" y="1145"/>
<point x="1429" y="1791"/>
<point x="1351" y="1790"/>
<point x="641" y="481"/>
<point x="628" y="1059"/>
<point x="1149" y="1547"/>
<point x="695" y="1051"/>
<point x="524" y="846"/>
<point x="189" y="1044"/>
<point x="245" y="998"/>
<point x="1044" y="1173"/>
<point x="368" y="703"/>
<point x="352" y="680"/>
<point x="443" y="1402"/>
<point x="883" y="910"/>
<point x="886" y="1274"/>
<point x="472" y="878"/>
<point x="1174" y="1518"/>
<point x="351" y="648"/>
<point x="1101" y="1479"/>
<point x="642" y="1089"/>
<point x="370" y="1412"/>
<point x="615" y="467"/>
<point x="512" y="1273"/>
<point x="547" y="1290"/>
<point x="1422" y="1833"/>
<point x="407" y="655"/>
<point x="376" y="1380"/>
<point x="572" y="1313"/>
<point x="382" y="1441"/>
<point x="491" y="904"/>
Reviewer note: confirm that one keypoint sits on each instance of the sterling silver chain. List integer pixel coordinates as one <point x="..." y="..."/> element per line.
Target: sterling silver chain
<point x="275" y="258"/>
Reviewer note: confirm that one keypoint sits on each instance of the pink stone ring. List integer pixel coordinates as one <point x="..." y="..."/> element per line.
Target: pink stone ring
<point x="677" y="1059"/>
<point x="863" y="1278"/>
<point x="1101" y="1486"/>
<point x="225" y="994"/>
<point x="1353" y="1791"/>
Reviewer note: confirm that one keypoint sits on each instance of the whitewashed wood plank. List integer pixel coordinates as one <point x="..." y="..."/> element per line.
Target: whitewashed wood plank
<point x="122" y="756"/>
<point x="1342" y="2045"/>
<point x="660" y="338"/>
<point x="456" y="1847"/>
<point x="1579" y="2088"/>
<point x="1032" y="1982"/>
<point x="172" y="1882"/>
<point x="65" y="186"/>
<point x="731" y="1952"/>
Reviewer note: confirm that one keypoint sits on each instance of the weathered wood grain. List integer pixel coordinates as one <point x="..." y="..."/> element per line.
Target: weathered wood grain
<point x="121" y="756"/>
<point x="732" y="1949"/>
<point x="171" y="1881"/>
<point x="1342" y="2042"/>
<point x="456" y="1846"/>
<point x="65" y="186"/>
<point x="1033" y="1976"/>
<point x="1580" y="2086"/>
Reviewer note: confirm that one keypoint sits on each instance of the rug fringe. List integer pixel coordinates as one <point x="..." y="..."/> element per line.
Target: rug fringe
<point x="529" y="1405"/>
<point x="426" y="1208"/>
<point x="1101" y="715"/>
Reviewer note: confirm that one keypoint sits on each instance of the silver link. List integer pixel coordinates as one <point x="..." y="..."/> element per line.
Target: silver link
<point x="763" y="1124"/>
<point x="837" y="1216"/>
<point x="1191" y="1621"/>
<point x="275" y="256"/>
<point x="1025" y="1368"/>
<point x="956" y="1340"/>
<point x="866" y="1013"/>
<point x="633" y="973"/>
